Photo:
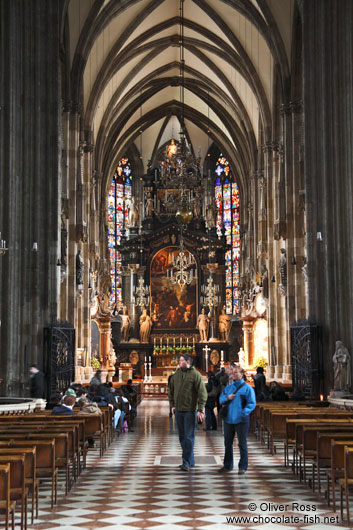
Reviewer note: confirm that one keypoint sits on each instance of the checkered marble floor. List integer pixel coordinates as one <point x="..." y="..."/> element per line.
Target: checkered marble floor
<point x="137" y="484"/>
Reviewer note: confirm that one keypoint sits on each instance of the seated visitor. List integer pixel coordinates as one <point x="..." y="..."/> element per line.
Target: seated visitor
<point x="87" y="407"/>
<point x="298" y="394"/>
<point x="54" y="400"/>
<point x="277" y="393"/>
<point x="66" y="407"/>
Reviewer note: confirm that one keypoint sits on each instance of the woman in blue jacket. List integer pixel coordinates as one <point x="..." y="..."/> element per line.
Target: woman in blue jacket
<point x="242" y="403"/>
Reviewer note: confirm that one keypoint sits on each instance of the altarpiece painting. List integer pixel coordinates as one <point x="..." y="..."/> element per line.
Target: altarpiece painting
<point x="173" y="307"/>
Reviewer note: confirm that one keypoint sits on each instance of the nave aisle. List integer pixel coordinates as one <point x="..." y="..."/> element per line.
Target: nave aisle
<point x="137" y="484"/>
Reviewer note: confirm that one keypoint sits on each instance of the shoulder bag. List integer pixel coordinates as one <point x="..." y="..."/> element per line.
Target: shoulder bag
<point x="223" y="412"/>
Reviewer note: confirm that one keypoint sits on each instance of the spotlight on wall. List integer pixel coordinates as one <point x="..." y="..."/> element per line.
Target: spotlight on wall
<point x="294" y="261"/>
<point x="319" y="236"/>
<point x="35" y="246"/>
<point x="58" y="264"/>
<point x="273" y="279"/>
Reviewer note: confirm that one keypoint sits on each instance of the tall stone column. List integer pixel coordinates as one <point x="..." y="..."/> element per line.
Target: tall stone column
<point x="328" y="130"/>
<point x="30" y="175"/>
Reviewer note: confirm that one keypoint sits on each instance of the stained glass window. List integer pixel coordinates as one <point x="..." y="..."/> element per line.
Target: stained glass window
<point x="227" y="203"/>
<point x="119" y="198"/>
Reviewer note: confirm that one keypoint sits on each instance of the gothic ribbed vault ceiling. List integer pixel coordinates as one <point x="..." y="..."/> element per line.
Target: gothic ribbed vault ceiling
<point x="125" y="72"/>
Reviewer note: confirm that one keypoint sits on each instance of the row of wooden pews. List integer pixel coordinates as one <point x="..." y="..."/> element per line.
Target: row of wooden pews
<point x="41" y="446"/>
<point x="319" y="437"/>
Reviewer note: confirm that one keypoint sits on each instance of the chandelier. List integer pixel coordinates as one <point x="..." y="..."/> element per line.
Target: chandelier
<point x="141" y="297"/>
<point x="178" y="168"/>
<point x="182" y="272"/>
<point x="210" y="297"/>
<point x="141" y="293"/>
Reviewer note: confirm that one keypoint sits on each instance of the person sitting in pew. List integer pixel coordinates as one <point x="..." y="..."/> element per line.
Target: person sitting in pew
<point x="66" y="407"/>
<point x="54" y="400"/>
<point x="277" y="392"/>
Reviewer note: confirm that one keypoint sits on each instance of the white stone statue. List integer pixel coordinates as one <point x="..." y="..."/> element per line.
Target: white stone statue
<point x="133" y="213"/>
<point x="145" y="326"/>
<point x="241" y="356"/>
<point x="202" y="325"/>
<point x="125" y="325"/>
<point x="342" y="367"/>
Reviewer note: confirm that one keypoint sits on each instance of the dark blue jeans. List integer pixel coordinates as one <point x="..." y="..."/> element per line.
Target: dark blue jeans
<point x="241" y="430"/>
<point x="186" y="422"/>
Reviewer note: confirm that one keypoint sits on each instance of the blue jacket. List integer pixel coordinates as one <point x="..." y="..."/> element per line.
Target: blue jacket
<point x="242" y="405"/>
<point x="63" y="411"/>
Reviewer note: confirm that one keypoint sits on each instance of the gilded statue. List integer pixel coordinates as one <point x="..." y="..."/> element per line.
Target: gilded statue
<point x="223" y="325"/>
<point x="203" y="321"/>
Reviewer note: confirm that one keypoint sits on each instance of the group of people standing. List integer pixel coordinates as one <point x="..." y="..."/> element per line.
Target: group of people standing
<point x="189" y="399"/>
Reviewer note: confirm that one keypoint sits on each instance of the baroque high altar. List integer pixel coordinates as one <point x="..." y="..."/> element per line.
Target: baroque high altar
<point x="169" y="285"/>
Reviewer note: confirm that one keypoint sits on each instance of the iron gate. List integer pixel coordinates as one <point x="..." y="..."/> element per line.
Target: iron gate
<point x="307" y="358"/>
<point x="59" y="353"/>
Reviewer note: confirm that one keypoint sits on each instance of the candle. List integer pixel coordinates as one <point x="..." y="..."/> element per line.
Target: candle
<point x="167" y="342"/>
<point x="160" y="342"/>
<point x="145" y="359"/>
<point x="174" y="342"/>
<point x="149" y="359"/>
<point x="154" y="341"/>
<point x="181" y="341"/>
<point x="193" y="341"/>
<point x="187" y="341"/>
<point x="221" y="355"/>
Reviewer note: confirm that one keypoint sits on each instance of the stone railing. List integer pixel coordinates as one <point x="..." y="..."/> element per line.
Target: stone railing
<point x="9" y="406"/>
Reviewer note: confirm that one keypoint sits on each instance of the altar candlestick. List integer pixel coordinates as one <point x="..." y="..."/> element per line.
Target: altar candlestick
<point x="167" y="343"/>
<point x="193" y="342"/>
<point x="181" y="341"/>
<point x="160" y="342"/>
<point x="145" y="358"/>
<point x="187" y="341"/>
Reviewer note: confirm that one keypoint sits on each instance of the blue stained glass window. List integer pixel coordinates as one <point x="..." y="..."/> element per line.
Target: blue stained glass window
<point x="227" y="203"/>
<point x="120" y="193"/>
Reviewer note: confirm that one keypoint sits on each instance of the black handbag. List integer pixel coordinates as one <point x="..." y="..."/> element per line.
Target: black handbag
<point x="223" y="411"/>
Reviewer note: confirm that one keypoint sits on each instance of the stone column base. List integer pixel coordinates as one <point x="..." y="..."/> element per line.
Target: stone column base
<point x="287" y="373"/>
<point x="278" y="371"/>
<point x="270" y="372"/>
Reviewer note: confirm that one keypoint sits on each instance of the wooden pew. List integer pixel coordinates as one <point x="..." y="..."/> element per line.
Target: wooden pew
<point x="7" y="506"/>
<point x="347" y="480"/>
<point x="63" y="445"/>
<point x="31" y="481"/>
<point x="18" y="490"/>
<point x="306" y="437"/>
<point x="323" y="451"/>
<point x="337" y="468"/>
<point x="45" y="448"/>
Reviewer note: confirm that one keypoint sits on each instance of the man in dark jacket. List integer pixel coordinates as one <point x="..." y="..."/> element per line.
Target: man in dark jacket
<point x="187" y="394"/>
<point x="65" y="409"/>
<point x="36" y="382"/>
<point x="213" y="388"/>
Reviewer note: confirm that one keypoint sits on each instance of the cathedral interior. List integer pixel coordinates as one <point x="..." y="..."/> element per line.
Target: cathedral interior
<point x="176" y="176"/>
